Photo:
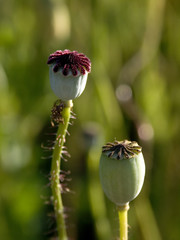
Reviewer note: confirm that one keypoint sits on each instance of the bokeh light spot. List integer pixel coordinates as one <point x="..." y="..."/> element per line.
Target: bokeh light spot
<point x="124" y="93"/>
<point x="145" y="131"/>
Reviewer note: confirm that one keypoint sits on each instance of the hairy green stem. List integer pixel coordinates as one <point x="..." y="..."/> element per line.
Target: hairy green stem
<point x="55" y="171"/>
<point x="123" y="221"/>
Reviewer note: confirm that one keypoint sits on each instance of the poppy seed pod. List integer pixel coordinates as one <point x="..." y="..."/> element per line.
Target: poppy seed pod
<point x="122" y="171"/>
<point x="68" y="73"/>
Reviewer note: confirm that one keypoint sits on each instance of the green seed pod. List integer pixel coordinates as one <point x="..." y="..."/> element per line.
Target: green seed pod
<point x="122" y="171"/>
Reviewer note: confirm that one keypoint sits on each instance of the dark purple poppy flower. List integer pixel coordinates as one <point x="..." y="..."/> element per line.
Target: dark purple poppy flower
<point x="68" y="73"/>
<point x="69" y="61"/>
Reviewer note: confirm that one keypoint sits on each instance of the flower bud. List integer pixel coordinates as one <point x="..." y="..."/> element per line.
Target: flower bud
<point x="122" y="171"/>
<point x="68" y="73"/>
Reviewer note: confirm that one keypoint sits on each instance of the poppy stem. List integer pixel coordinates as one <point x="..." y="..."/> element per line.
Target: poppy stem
<point x="55" y="170"/>
<point x="123" y="221"/>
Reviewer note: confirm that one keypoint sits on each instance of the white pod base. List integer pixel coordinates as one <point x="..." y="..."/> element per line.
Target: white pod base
<point x="67" y="87"/>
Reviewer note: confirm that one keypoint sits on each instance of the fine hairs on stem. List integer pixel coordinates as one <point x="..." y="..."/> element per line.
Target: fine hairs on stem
<point x="55" y="170"/>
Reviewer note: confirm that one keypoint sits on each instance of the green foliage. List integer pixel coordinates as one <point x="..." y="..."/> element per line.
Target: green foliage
<point x="130" y="43"/>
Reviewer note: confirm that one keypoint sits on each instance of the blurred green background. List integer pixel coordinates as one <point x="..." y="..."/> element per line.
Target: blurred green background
<point x="133" y="92"/>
